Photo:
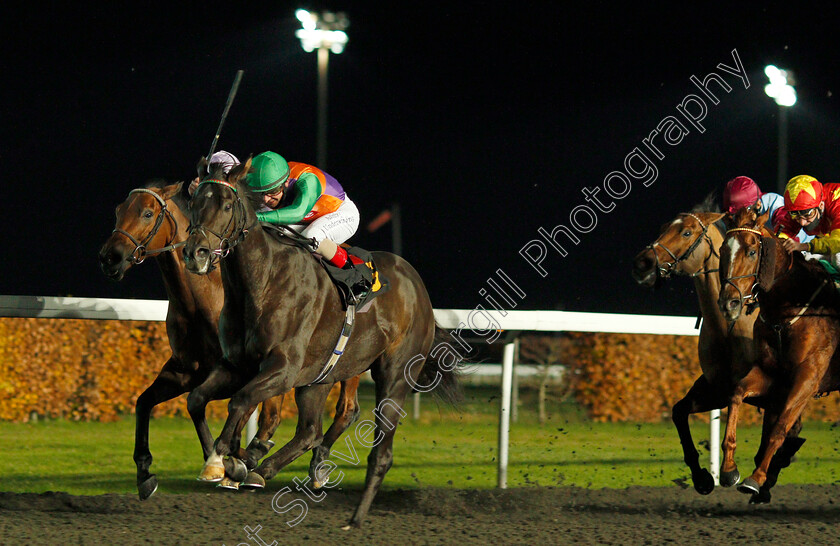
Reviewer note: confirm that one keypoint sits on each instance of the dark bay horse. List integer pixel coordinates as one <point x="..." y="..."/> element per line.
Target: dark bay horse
<point x="281" y="320"/>
<point x="796" y="336"/>
<point x="152" y="222"/>
<point x="688" y="246"/>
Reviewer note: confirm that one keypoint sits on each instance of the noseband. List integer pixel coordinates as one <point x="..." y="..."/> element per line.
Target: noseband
<point x="139" y="254"/>
<point x="234" y="232"/>
<point x="665" y="270"/>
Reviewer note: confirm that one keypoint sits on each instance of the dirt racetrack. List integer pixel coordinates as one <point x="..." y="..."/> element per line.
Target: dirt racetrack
<point x="533" y="515"/>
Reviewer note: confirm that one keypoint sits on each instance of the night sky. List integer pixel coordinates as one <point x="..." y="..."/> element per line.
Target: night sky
<point x="485" y="125"/>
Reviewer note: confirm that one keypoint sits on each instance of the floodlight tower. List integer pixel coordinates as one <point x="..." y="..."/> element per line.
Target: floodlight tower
<point x="782" y="91"/>
<point x="323" y="32"/>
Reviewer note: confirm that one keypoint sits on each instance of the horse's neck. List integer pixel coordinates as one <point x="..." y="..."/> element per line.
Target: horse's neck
<point x="258" y="262"/>
<point x="193" y="294"/>
<point x="794" y="283"/>
<point x="707" y="286"/>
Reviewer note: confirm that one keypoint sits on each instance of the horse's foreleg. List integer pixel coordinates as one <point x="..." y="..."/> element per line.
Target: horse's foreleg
<point x="219" y="384"/>
<point x="781" y="459"/>
<point x="701" y="397"/>
<point x="268" y="422"/>
<point x="346" y="412"/>
<point x="273" y="379"/>
<point x="804" y="386"/>
<point x="166" y="386"/>
<point x="308" y="433"/>
<point x="755" y="383"/>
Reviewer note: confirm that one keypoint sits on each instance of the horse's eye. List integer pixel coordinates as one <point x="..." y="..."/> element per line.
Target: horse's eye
<point x="687" y="233"/>
<point x="147" y="214"/>
<point x="751" y="252"/>
<point x="228" y="206"/>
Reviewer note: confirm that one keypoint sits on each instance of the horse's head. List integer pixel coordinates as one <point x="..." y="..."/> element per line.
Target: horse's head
<point x="683" y="247"/>
<point x="145" y="226"/>
<point x="219" y="217"/>
<point x="747" y="263"/>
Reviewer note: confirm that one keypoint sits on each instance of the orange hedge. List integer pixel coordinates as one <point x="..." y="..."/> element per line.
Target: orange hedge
<point x="86" y="370"/>
<point x="626" y="377"/>
<point x="95" y="370"/>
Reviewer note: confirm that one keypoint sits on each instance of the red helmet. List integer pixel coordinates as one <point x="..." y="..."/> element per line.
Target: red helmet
<point x="740" y="192"/>
<point x="803" y="192"/>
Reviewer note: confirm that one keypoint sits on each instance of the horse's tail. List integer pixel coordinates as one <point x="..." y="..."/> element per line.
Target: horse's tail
<point x="442" y="369"/>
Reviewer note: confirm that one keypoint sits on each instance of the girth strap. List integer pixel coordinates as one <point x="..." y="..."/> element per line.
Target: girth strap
<point x="346" y="330"/>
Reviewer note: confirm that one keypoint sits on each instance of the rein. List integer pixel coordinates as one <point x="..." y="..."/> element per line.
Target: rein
<point x="665" y="270"/>
<point x="140" y="253"/>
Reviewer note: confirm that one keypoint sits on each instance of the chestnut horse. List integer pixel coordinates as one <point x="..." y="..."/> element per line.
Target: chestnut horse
<point x="283" y="316"/>
<point x="152" y="222"/>
<point x="688" y="246"/>
<point x="796" y="336"/>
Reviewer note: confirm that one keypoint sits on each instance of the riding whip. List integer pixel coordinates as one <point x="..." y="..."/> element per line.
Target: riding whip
<point x="230" y="98"/>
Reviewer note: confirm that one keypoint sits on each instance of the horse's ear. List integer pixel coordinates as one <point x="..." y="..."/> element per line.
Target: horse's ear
<point x="728" y="221"/>
<point x="762" y="219"/>
<point x="240" y="171"/>
<point x="201" y="167"/>
<point x="767" y="263"/>
<point x="172" y="190"/>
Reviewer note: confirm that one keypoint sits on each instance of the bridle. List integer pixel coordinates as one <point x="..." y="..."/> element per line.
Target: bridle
<point x="748" y="301"/>
<point x="140" y="252"/>
<point x="664" y="270"/>
<point x="234" y="232"/>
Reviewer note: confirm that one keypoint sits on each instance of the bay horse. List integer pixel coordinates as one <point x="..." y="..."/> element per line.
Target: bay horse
<point x="282" y="317"/>
<point x="796" y="335"/>
<point x="152" y="222"/>
<point x="688" y="246"/>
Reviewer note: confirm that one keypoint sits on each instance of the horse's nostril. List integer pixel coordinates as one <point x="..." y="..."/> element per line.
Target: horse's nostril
<point x="107" y="258"/>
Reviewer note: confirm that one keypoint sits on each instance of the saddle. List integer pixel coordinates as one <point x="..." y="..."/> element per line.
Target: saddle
<point x="357" y="285"/>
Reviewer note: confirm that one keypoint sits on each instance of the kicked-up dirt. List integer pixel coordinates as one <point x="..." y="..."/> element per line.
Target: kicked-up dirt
<point x="532" y="515"/>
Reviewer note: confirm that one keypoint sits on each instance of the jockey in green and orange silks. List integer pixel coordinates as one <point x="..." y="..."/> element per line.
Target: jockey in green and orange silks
<point x="815" y="208"/>
<point x="306" y="199"/>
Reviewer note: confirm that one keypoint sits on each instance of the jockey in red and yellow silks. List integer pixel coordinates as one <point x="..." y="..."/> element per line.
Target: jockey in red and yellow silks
<point x="815" y="208"/>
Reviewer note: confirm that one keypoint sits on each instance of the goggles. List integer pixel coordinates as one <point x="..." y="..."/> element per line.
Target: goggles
<point x="807" y="213"/>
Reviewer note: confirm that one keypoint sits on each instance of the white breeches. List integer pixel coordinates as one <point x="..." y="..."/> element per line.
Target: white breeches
<point x="336" y="226"/>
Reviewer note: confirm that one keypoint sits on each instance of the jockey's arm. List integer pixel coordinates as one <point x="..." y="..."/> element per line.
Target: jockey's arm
<point x="827" y="244"/>
<point x="307" y="191"/>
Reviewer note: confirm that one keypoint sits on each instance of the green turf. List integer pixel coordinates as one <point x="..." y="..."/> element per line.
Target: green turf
<point x="444" y="449"/>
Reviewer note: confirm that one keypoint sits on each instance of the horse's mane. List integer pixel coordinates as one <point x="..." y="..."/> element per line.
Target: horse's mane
<point x="238" y="177"/>
<point x="708" y="204"/>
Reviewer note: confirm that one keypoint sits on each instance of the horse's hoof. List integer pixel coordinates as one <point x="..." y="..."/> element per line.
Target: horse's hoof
<point x="229" y="484"/>
<point x="236" y="469"/>
<point x="148" y="487"/>
<point x="728" y="479"/>
<point x="703" y="481"/>
<point x="749" y="486"/>
<point x="214" y="469"/>
<point x="762" y="497"/>
<point x="253" y="481"/>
